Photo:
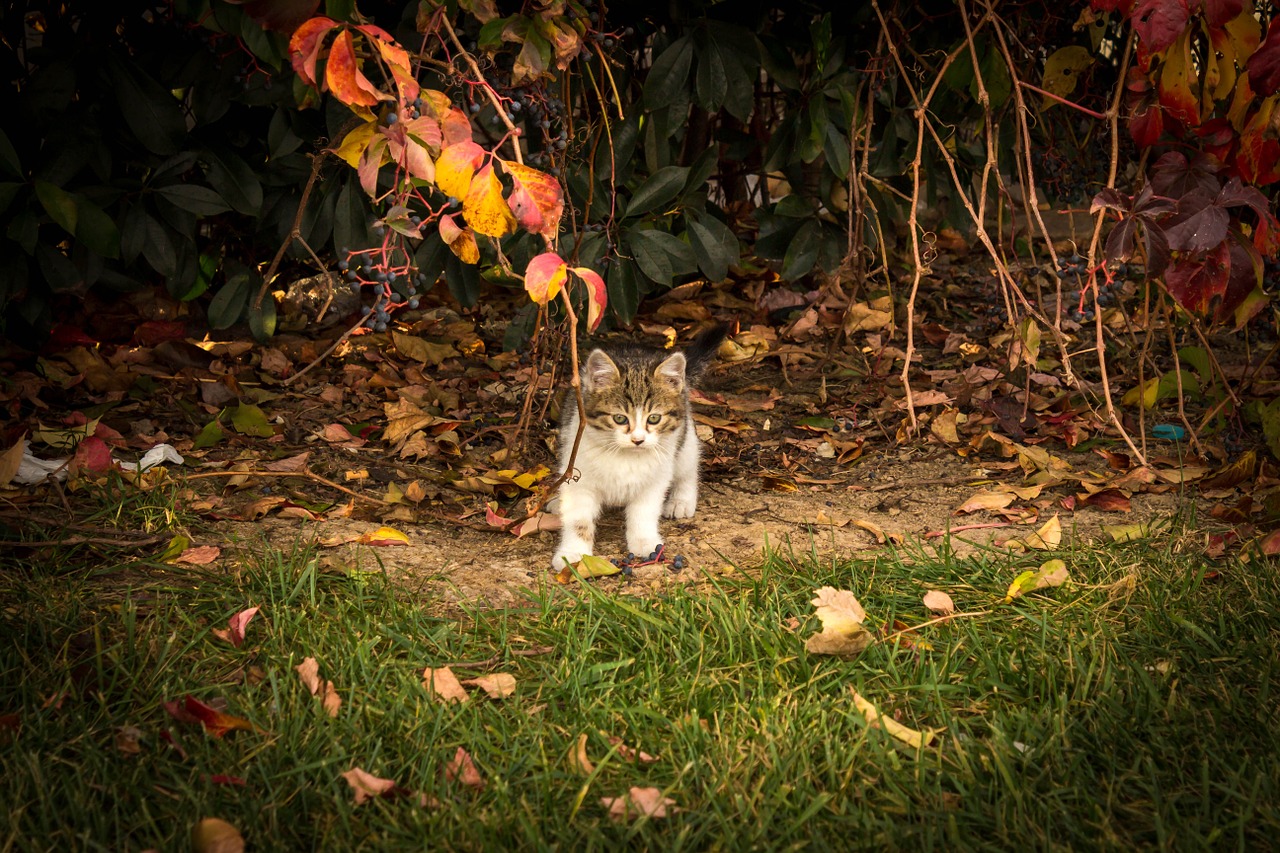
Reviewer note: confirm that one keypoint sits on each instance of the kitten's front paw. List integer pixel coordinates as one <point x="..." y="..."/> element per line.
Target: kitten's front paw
<point x="558" y="561"/>
<point x="643" y="547"/>
<point x="680" y="507"/>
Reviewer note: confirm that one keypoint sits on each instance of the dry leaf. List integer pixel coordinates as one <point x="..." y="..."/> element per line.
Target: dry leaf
<point x="939" y="602"/>
<point x="201" y="555"/>
<point x="366" y="786"/>
<point x="462" y="769"/>
<point x="234" y="633"/>
<point x="577" y="758"/>
<point x="332" y="702"/>
<point x="836" y="643"/>
<point x="444" y="685"/>
<point x="838" y="609"/>
<point x="129" y="740"/>
<point x="639" y="802"/>
<point x="212" y="835"/>
<point x="875" y="719"/>
<point x="630" y="754"/>
<point x="985" y="500"/>
<point x="499" y="685"/>
<point x="309" y="672"/>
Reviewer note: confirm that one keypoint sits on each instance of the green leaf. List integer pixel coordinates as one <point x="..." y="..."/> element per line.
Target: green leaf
<point x="658" y="189"/>
<point x="161" y="248"/>
<point x="8" y="192"/>
<point x="262" y="320"/>
<point x="59" y="272"/>
<point x="836" y="147"/>
<point x="802" y="254"/>
<point x="150" y="110"/>
<point x="661" y="256"/>
<point x="209" y="436"/>
<point x="625" y="285"/>
<point x="233" y="179"/>
<point x="704" y="166"/>
<point x="59" y="204"/>
<point x="97" y="230"/>
<point x="351" y="217"/>
<point x="668" y="79"/>
<point x="711" y="81"/>
<point x="199" y="200"/>
<point x="713" y="244"/>
<point x="463" y="280"/>
<point x="251" y="420"/>
<point x="9" y="156"/>
<point x="229" y="302"/>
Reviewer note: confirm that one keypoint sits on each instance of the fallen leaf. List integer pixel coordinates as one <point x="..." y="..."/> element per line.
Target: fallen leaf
<point x="577" y="758"/>
<point x="234" y="633"/>
<point x="365" y="785"/>
<point x="201" y="555"/>
<point x="215" y="722"/>
<point x="499" y="685"/>
<point x="838" y="609"/>
<point x="462" y="769"/>
<point x="11" y="461"/>
<point x="939" y="602"/>
<point x="875" y="719"/>
<point x="309" y="672"/>
<point x="384" y="536"/>
<point x="1047" y="538"/>
<point x="639" y="802"/>
<point x="444" y="685"/>
<point x="839" y="644"/>
<point x="630" y="754"/>
<point x="1052" y="573"/>
<point x="985" y="500"/>
<point x="213" y="835"/>
<point x="223" y="779"/>
<point x="129" y="740"/>
<point x="1127" y="532"/>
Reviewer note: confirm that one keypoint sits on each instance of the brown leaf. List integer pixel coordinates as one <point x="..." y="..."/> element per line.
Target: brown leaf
<point x="444" y="685"/>
<point x="639" y="802"/>
<point x="213" y="835"/>
<point x="309" y="672"/>
<point x="201" y="555"/>
<point x="630" y="754"/>
<point x="499" y="685"/>
<point x="291" y="465"/>
<point x="577" y="758"/>
<point x="10" y="461"/>
<point x="462" y="769"/>
<point x="1107" y="500"/>
<point x="365" y="785"/>
<point x="985" y="500"/>
<point x="838" y="609"/>
<point x="939" y="602"/>
<point x="837" y="643"/>
<point x="129" y="740"/>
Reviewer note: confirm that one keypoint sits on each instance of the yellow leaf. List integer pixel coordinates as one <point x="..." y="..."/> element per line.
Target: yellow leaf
<point x="876" y="720"/>
<point x="456" y="166"/>
<point x="1147" y="393"/>
<point x="839" y="610"/>
<point x="939" y="602"/>
<point x="1062" y="70"/>
<point x="1052" y="573"/>
<point x="1048" y="537"/>
<point x="838" y="643"/>
<point x="577" y="758"/>
<point x="486" y="210"/>
<point x="1127" y="532"/>
<point x="985" y="500"/>
<point x="384" y="536"/>
<point x="353" y="145"/>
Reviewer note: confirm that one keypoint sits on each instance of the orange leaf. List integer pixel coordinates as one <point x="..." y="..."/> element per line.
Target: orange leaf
<point x="454" y="123"/>
<point x="304" y="47"/>
<point x="486" y="210"/>
<point x="384" y="536"/>
<point x="396" y="59"/>
<point x="544" y="277"/>
<point x="536" y="200"/>
<point x="344" y="77"/>
<point x="366" y="786"/>
<point x="444" y="685"/>
<point x="1175" y="82"/>
<point x="597" y="296"/>
<point x="426" y="130"/>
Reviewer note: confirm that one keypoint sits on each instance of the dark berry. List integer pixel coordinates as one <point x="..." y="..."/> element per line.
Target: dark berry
<point x="413" y="303"/>
<point x="475" y="108"/>
<point x="344" y="265"/>
<point x="351" y="275"/>
<point x="355" y="287"/>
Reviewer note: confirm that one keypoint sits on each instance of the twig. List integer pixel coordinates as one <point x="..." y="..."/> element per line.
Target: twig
<point x="295" y="230"/>
<point x="288" y="380"/>
<point x="484" y="86"/>
<point x="87" y="540"/>
<point x="307" y="474"/>
<point x="937" y="621"/>
<point x="491" y="662"/>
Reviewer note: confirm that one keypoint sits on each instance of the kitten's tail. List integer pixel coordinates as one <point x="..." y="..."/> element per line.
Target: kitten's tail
<point x="702" y="351"/>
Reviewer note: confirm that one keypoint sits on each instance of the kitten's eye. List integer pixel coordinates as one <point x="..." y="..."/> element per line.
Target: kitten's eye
<point x="620" y="420"/>
<point x="653" y="419"/>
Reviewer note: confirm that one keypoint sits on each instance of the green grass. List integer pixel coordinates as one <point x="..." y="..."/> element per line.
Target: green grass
<point x="1134" y="708"/>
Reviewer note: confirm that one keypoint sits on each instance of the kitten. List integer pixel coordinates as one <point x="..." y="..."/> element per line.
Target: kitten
<point x="639" y="450"/>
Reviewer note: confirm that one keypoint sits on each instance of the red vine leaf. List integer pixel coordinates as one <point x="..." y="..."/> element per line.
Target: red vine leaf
<point x="486" y="210"/>
<point x="597" y="295"/>
<point x="456" y="167"/>
<point x="1264" y="66"/>
<point x="345" y="79"/>
<point x="1199" y="283"/>
<point x="1160" y="22"/>
<point x="305" y="45"/>
<point x="1176" y="78"/>
<point x="536" y="201"/>
<point x="544" y="276"/>
<point x="461" y="241"/>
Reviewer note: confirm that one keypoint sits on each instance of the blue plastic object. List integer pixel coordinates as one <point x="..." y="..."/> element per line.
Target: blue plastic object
<point x="1172" y="432"/>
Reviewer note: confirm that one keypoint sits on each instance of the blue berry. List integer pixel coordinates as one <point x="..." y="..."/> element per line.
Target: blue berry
<point x="413" y="303"/>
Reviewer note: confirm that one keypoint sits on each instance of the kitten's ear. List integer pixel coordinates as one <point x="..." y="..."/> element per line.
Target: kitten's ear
<point x="600" y="372"/>
<point x="671" y="370"/>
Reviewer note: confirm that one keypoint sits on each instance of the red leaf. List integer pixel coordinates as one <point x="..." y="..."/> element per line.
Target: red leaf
<point x="544" y="276"/>
<point x="155" y="332"/>
<point x="1198" y="282"/>
<point x="1218" y="12"/>
<point x="215" y="723"/>
<point x="282" y="16"/>
<point x="463" y="769"/>
<point x="92" y="455"/>
<point x="344" y="77"/>
<point x="1108" y="500"/>
<point x="1269" y="545"/>
<point x="64" y="337"/>
<point x="1146" y="124"/>
<point x="223" y="779"/>
<point x="597" y="295"/>
<point x="396" y="59"/>
<point x="536" y="200"/>
<point x="304" y="47"/>
<point x="1176" y="83"/>
<point x="1160" y="22"/>
<point x="236" y="625"/>
<point x="1264" y="66"/>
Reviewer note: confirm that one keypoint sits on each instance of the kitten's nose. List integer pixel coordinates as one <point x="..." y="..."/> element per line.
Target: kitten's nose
<point x="637" y="439"/>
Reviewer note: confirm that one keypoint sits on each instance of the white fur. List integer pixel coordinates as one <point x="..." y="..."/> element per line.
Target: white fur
<point x="650" y="474"/>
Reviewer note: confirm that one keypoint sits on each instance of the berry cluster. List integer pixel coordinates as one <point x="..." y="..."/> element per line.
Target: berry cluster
<point x="393" y="286"/>
<point x="658" y="556"/>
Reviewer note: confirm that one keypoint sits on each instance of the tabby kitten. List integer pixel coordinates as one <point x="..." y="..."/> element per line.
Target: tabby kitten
<point x="638" y="451"/>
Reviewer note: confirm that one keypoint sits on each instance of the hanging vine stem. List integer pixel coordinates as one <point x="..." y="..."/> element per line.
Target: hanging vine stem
<point x="513" y="133"/>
